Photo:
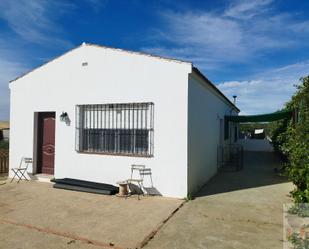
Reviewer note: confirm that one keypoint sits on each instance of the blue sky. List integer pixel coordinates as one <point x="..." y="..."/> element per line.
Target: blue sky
<point x="256" y="49"/>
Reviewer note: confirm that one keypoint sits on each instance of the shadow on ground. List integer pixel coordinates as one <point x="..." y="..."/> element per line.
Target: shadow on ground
<point x="222" y="218"/>
<point x="259" y="170"/>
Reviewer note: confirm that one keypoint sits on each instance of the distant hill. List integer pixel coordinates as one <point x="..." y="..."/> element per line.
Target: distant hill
<point x="4" y="124"/>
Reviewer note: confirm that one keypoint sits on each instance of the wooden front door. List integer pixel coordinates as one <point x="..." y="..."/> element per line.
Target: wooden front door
<point x="46" y="142"/>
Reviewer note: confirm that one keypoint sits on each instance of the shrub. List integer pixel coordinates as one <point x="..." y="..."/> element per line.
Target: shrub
<point x="4" y="144"/>
<point x="278" y="136"/>
<point x="297" y="144"/>
<point x="292" y="140"/>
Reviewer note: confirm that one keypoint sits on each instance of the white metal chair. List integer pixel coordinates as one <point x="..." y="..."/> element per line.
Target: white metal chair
<point x="22" y="169"/>
<point x="142" y="172"/>
<point x="146" y="172"/>
<point x="136" y="179"/>
<point x="136" y="167"/>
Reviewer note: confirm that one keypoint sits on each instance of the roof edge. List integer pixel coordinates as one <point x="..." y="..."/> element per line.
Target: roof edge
<point x="213" y="86"/>
<point x="45" y="63"/>
<point x="139" y="53"/>
<point x="106" y="47"/>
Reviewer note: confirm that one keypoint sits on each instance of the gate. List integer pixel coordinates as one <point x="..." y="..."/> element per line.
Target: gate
<point x="230" y="157"/>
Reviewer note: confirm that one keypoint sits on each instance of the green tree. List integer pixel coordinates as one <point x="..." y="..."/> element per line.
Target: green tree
<point x="297" y="144"/>
<point x="292" y="140"/>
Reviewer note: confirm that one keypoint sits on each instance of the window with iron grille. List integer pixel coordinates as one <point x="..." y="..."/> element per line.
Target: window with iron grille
<point x="124" y="129"/>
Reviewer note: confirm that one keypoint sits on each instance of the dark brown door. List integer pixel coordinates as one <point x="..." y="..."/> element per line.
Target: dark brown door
<point x="46" y="142"/>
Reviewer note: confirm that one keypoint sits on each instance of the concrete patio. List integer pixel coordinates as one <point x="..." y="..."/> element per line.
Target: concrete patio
<point x="35" y="215"/>
<point x="235" y="210"/>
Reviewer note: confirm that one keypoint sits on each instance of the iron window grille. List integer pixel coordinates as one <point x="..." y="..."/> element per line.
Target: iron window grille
<point x="118" y="129"/>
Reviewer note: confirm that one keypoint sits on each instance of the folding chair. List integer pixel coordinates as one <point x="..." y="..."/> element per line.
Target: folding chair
<point x="21" y="170"/>
<point x="145" y="172"/>
<point x="135" y="167"/>
<point x="138" y="179"/>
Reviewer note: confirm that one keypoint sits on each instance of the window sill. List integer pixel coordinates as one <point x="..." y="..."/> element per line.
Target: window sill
<point x="113" y="154"/>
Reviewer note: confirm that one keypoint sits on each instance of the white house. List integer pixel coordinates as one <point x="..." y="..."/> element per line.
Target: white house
<point x="94" y="111"/>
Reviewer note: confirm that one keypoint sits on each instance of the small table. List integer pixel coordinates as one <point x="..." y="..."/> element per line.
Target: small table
<point x="123" y="189"/>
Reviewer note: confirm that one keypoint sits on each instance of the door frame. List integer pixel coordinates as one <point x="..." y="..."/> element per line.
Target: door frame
<point x="37" y="148"/>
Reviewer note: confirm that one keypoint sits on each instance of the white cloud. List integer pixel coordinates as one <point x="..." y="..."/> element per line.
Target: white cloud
<point x="35" y="21"/>
<point x="246" y="9"/>
<point x="266" y="92"/>
<point x="8" y="71"/>
<point x="241" y="34"/>
<point x="200" y="36"/>
<point x="30" y="22"/>
<point x="244" y="31"/>
<point x="11" y="66"/>
<point x="97" y="5"/>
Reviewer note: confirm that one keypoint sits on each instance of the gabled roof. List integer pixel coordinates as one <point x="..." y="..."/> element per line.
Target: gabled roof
<point x="105" y="47"/>
<point x="213" y="86"/>
<point x="194" y="69"/>
<point x="138" y="53"/>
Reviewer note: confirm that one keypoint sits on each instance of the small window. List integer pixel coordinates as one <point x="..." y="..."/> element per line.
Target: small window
<point x="124" y="129"/>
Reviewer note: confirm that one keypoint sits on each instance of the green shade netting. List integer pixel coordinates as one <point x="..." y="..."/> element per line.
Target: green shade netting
<point x="260" y="118"/>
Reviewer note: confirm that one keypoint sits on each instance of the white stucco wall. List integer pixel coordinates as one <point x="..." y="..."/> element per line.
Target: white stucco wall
<point x="205" y="109"/>
<point x="112" y="76"/>
<point x="263" y="145"/>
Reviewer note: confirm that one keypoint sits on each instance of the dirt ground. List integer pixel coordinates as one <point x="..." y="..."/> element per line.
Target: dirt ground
<point x="35" y="215"/>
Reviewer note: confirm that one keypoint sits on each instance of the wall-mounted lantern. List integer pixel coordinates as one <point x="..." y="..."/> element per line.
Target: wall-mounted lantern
<point x="64" y="116"/>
